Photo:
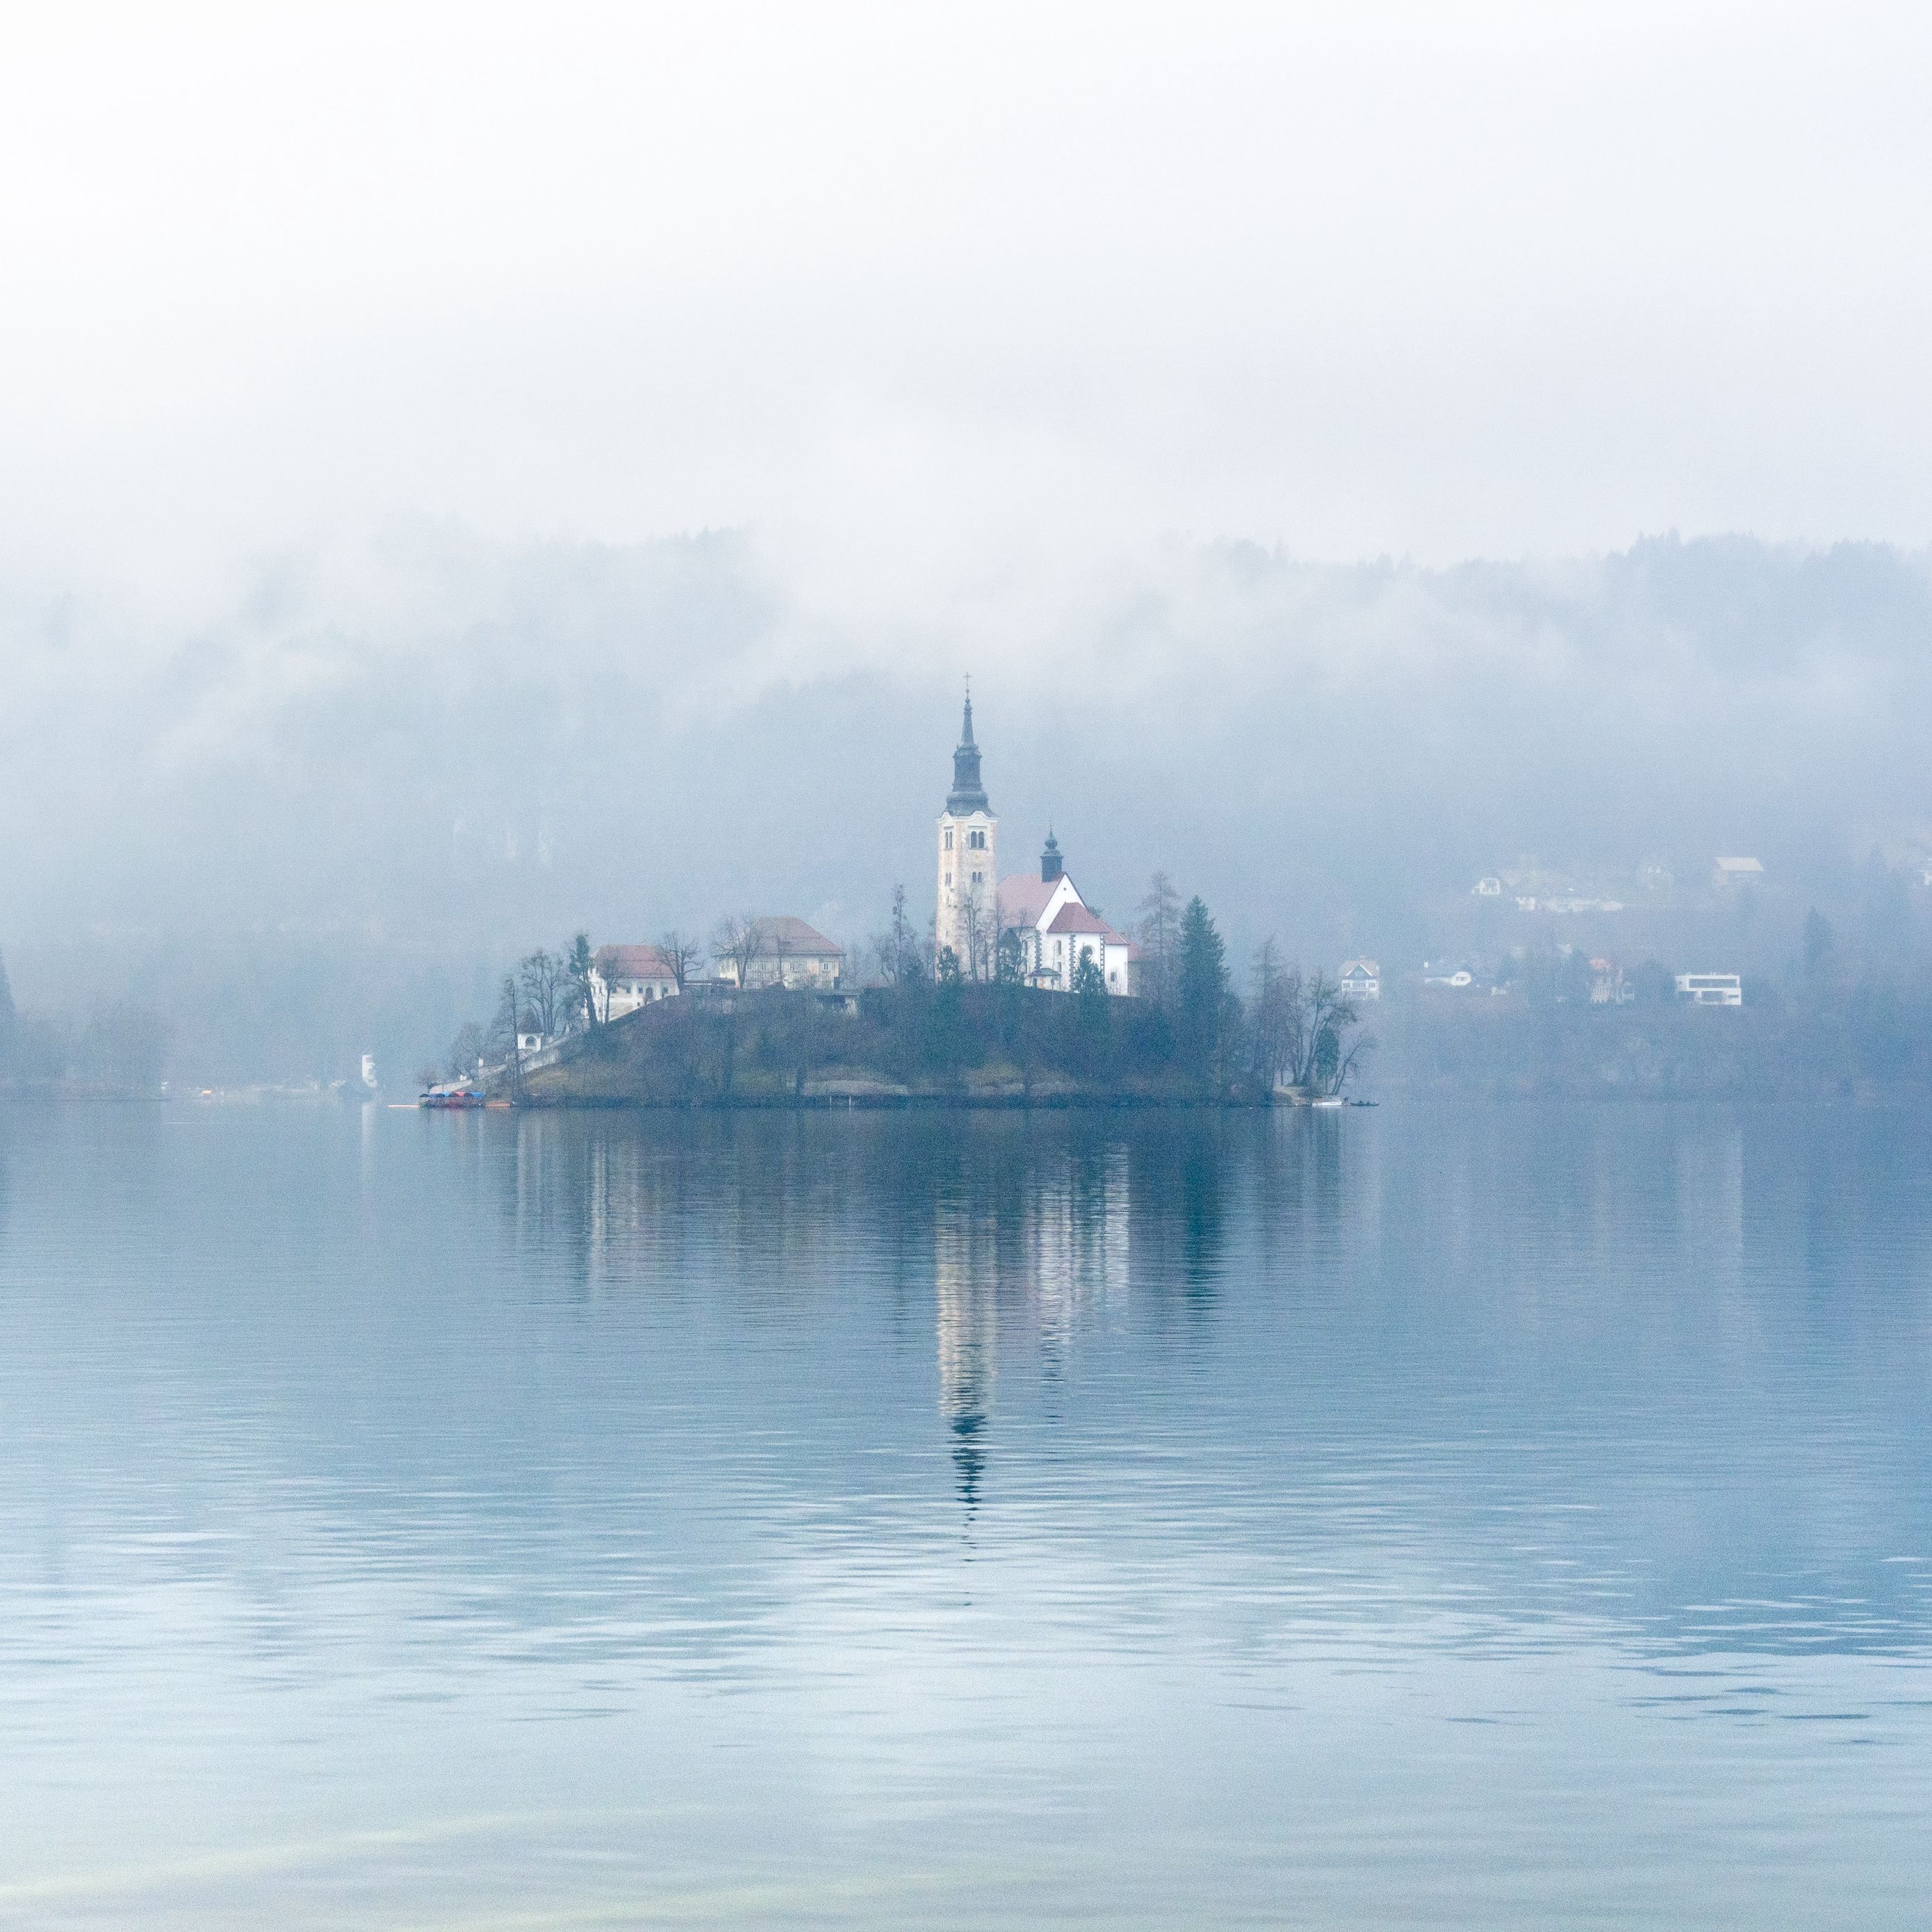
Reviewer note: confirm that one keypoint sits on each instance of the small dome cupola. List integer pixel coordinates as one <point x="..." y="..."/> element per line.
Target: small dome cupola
<point x="1050" y="867"/>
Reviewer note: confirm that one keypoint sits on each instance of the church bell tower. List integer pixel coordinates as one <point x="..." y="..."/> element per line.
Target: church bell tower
<point x="968" y="921"/>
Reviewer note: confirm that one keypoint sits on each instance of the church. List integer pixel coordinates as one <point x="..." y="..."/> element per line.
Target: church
<point x="1044" y="921"/>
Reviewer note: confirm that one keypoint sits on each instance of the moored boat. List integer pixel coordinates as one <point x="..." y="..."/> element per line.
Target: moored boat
<point x="450" y="1096"/>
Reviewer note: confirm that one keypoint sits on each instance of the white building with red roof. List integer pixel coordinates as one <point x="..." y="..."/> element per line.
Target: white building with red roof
<point x="624" y="978"/>
<point x="1056" y="928"/>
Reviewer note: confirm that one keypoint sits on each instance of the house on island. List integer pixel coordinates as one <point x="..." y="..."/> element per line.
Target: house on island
<point x="1055" y="929"/>
<point x="623" y="978"/>
<point x="1737" y="872"/>
<point x="789" y="953"/>
<point x="1360" y="979"/>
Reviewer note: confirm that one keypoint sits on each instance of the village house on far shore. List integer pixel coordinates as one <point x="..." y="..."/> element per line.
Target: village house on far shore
<point x="1361" y="979"/>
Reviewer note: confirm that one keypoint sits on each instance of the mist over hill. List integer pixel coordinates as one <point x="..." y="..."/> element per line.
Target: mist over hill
<point x="314" y="812"/>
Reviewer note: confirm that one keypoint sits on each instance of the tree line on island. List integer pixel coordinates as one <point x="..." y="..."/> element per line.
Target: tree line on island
<point x="924" y="1020"/>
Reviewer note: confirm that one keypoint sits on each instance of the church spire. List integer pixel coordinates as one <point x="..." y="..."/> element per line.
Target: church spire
<point x="968" y="793"/>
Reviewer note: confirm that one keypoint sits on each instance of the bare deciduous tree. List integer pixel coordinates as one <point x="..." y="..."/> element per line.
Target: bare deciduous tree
<point x="680" y="953"/>
<point x="895" y="951"/>
<point x="735" y="943"/>
<point x="543" y="982"/>
<point x="506" y="1030"/>
<point x="978" y="933"/>
<point x="466" y="1052"/>
<point x="1272" y="1021"/>
<point x="1313" y="1018"/>
<point x="902" y="956"/>
<point x="1159" y="934"/>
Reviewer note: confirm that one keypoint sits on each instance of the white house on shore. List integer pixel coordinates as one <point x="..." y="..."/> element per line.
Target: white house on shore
<point x="1361" y="979"/>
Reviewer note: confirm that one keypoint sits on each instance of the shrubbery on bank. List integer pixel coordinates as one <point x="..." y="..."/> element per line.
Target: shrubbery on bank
<point x="947" y="1037"/>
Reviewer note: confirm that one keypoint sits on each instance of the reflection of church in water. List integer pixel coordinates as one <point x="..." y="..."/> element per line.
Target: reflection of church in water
<point x="1031" y="1272"/>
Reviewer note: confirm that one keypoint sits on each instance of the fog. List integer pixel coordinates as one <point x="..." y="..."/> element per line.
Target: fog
<point x="469" y="479"/>
<point x="1493" y="280"/>
<point x="333" y="805"/>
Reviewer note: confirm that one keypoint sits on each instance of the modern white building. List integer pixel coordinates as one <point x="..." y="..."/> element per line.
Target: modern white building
<point x="1711" y="989"/>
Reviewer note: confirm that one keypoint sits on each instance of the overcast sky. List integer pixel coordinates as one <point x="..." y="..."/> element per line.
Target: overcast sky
<point x="917" y="292"/>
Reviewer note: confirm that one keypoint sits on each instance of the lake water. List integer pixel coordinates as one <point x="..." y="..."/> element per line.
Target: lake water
<point x="1499" y="1517"/>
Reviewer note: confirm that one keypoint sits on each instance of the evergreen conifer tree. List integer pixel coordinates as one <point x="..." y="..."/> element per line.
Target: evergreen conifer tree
<point x="1202" y="989"/>
<point x="582" y="967"/>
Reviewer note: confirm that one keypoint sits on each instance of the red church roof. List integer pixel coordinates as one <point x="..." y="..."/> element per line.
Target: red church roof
<point x="1074" y="917"/>
<point x="1023" y="897"/>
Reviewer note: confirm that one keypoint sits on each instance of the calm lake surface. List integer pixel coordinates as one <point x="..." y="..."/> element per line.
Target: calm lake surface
<point x="1509" y="1517"/>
